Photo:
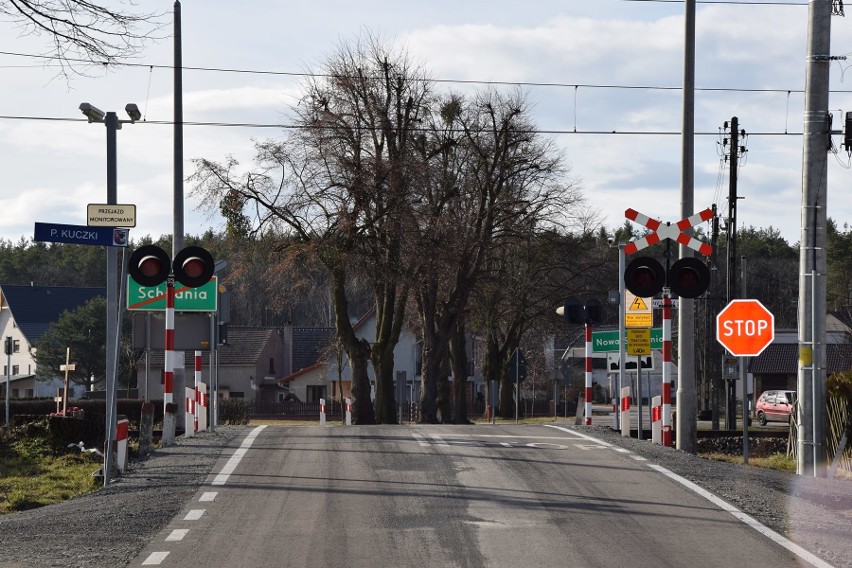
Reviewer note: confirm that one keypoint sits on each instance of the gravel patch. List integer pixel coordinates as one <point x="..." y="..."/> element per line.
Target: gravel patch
<point x="108" y="528"/>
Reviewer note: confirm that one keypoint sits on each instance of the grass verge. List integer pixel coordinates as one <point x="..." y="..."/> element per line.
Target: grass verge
<point x="34" y="473"/>
<point x="775" y="461"/>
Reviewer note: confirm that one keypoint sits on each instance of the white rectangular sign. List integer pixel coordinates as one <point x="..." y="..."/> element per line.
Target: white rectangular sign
<point x="110" y="215"/>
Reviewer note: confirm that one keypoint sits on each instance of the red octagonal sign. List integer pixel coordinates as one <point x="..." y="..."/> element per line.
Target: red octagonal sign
<point x="745" y="328"/>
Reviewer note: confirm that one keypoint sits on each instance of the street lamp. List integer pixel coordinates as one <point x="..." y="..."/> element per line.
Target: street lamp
<point x="113" y="124"/>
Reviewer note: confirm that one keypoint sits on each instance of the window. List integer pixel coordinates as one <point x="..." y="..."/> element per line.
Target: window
<point x="235" y="394"/>
<point x="315" y="392"/>
<point x="281" y="396"/>
<point x="272" y="366"/>
<point x="16" y="346"/>
<point x="16" y="369"/>
<point x="30" y="393"/>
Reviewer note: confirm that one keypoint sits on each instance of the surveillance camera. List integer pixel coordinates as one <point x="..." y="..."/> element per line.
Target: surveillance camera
<point x="94" y="114"/>
<point x="610" y="240"/>
<point x="133" y="112"/>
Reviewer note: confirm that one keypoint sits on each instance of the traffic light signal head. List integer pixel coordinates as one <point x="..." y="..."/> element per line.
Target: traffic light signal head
<point x="149" y="265"/>
<point x="577" y="313"/>
<point x="644" y="277"/>
<point x="593" y="311"/>
<point x="689" y="277"/>
<point x="193" y="266"/>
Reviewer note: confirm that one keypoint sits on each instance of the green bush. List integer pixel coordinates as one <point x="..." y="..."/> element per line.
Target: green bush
<point x="234" y="411"/>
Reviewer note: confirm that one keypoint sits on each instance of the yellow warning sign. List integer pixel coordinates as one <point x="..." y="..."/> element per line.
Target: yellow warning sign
<point x="639" y="312"/>
<point x="639" y="341"/>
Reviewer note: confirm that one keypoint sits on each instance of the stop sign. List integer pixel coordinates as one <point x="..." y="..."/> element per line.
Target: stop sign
<point x="745" y="327"/>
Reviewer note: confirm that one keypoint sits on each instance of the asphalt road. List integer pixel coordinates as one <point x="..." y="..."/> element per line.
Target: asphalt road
<point x="449" y="497"/>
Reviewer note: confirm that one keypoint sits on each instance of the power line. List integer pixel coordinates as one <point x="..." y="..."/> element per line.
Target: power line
<point x="300" y="127"/>
<point x="543" y="84"/>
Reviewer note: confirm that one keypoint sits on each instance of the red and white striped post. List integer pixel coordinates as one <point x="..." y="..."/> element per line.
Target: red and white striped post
<point x="121" y="434"/>
<point x="201" y="402"/>
<point x="169" y="365"/>
<point x="189" y="413"/>
<point x="349" y="412"/>
<point x="197" y="384"/>
<point x="322" y="411"/>
<point x="656" y="420"/>
<point x="588" y="409"/>
<point x="625" y="412"/>
<point x="667" y="368"/>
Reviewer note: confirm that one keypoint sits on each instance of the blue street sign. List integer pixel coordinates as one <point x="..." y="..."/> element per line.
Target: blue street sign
<point x="81" y="235"/>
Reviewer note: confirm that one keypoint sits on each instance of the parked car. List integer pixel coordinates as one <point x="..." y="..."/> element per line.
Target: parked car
<point x="775" y="406"/>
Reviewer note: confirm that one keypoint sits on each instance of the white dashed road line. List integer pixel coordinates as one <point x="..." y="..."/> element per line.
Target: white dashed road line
<point x="208" y="496"/>
<point x="155" y="559"/>
<point x="194" y="515"/>
<point x="177" y="535"/>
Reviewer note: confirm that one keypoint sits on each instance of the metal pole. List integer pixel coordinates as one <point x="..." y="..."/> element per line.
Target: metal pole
<point x="8" y="374"/>
<point x="743" y="361"/>
<point x="214" y="344"/>
<point x="588" y="390"/>
<point x="639" y="394"/>
<point x="667" y="369"/>
<point x="622" y="341"/>
<point x="687" y="401"/>
<point x="111" y="123"/>
<point x="812" y="251"/>
<point x="147" y="352"/>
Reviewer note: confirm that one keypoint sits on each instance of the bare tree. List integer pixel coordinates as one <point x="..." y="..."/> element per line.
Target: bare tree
<point x="491" y="176"/>
<point x="340" y="187"/>
<point x="80" y="33"/>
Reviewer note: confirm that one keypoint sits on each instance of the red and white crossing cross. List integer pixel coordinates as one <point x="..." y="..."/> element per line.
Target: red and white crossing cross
<point x="662" y="231"/>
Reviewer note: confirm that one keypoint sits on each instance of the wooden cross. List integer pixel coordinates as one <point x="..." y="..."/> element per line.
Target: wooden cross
<point x="67" y="367"/>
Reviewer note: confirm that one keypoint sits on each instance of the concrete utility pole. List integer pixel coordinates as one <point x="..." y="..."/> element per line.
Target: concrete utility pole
<point x="177" y="237"/>
<point x="812" y="253"/>
<point x="687" y="402"/>
<point x="731" y="290"/>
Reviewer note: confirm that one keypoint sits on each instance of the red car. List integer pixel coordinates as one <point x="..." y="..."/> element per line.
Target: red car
<point x="775" y="406"/>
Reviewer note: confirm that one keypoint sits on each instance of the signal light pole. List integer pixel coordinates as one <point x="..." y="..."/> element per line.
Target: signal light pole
<point x="151" y="266"/>
<point x="113" y="124"/>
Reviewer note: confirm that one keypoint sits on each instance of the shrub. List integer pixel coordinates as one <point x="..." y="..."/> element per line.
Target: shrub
<point x="234" y="411"/>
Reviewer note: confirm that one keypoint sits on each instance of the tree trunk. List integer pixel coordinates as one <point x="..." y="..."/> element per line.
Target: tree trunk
<point x="445" y="405"/>
<point x="390" y="313"/>
<point x="357" y="350"/>
<point x="458" y="358"/>
<point x="429" y="385"/>
<point x="362" y="406"/>
<point x="385" y="404"/>
<point x="507" y="397"/>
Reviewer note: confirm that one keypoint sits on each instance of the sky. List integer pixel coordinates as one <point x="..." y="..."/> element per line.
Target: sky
<point x="603" y="77"/>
